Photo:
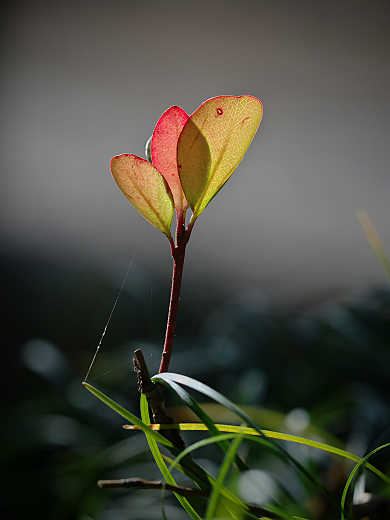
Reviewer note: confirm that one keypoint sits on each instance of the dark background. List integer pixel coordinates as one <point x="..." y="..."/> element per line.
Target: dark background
<point x="284" y="305"/>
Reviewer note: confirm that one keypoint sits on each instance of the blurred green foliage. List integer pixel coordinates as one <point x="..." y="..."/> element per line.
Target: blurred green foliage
<point x="326" y="366"/>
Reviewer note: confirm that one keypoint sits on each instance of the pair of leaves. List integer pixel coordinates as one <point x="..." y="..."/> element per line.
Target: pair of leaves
<point x="191" y="158"/>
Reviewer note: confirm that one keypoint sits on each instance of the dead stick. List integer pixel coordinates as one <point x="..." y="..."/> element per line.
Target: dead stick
<point x="141" y="483"/>
<point x="156" y="401"/>
<point x="155" y="398"/>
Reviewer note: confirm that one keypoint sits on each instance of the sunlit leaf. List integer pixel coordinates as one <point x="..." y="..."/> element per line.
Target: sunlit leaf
<point x="270" y="419"/>
<point x="164" y="151"/>
<point x="194" y="406"/>
<point x="145" y="188"/>
<point x="271" y="435"/>
<point x="166" y="377"/>
<point x="212" y="144"/>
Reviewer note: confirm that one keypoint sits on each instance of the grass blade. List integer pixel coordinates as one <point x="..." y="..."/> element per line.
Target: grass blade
<point x="174" y="464"/>
<point x="348" y="484"/>
<point x="273" y="435"/>
<point x="167" y="377"/>
<point x="237" y="501"/>
<point x="209" y="423"/>
<point x="160" y="461"/>
<point x="271" y="419"/>
<point x="223" y="490"/>
<point x="224" y="470"/>
<point x="126" y="414"/>
<point x="211" y="440"/>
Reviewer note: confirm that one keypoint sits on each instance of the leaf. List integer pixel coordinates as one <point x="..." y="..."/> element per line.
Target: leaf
<point x="358" y="466"/>
<point x="174" y="464"/>
<point x="212" y="144"/>
<point x="271" y="435"/>
<point x="221" y="399"/>
<point x="145" y="188"/>
<point x="160" y="461"/>
<point x="223" y="490"/>
<point x="223" y="471"/>
<point x="164" y="151"/>
<point x="125" y="413"/>
<point x="209" y="423"/>
<point x="268" y="418"/>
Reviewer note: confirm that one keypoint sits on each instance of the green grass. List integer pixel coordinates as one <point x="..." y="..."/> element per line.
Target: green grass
<point x="228" y="438"/>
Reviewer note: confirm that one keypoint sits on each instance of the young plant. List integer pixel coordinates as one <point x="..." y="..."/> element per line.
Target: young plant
<point x="191" y="158"/>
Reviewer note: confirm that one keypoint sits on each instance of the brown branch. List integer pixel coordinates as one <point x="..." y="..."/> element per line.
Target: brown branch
<point x="156" y="403"/>
<point x="155" y="398"/>
<point x="379" y="507"/>
<point x="141" y="483"/>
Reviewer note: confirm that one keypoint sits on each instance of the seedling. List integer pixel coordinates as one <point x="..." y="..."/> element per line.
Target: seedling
<point x="190" y="158"/>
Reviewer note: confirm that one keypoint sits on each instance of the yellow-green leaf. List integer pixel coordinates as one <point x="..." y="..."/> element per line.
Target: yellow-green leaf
<point x="145" y="188"/>
<point x="212" y="144"/>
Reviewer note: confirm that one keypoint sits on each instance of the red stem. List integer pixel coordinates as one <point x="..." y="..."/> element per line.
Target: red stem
<point x="178" y="254"/>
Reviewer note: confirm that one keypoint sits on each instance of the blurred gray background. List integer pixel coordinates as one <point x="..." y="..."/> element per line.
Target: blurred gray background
<point x="83" y="81"/>
<point x="281" y="303"/>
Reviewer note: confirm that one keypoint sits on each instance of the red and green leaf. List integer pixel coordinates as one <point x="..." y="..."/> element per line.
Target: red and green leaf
<point x="145" y="188"/>
<point x="212" y="144"/>
<point x="164" y="151"/>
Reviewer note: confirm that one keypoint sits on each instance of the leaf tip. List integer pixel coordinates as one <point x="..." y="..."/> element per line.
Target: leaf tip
<point x="86" y="385"/>
<point x="118" y="158"/>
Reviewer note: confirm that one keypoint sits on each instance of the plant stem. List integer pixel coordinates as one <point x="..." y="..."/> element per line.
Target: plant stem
<point x="151" y="484"/>
<point x="178" y="253"/>
<point x="140" y="483"/>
